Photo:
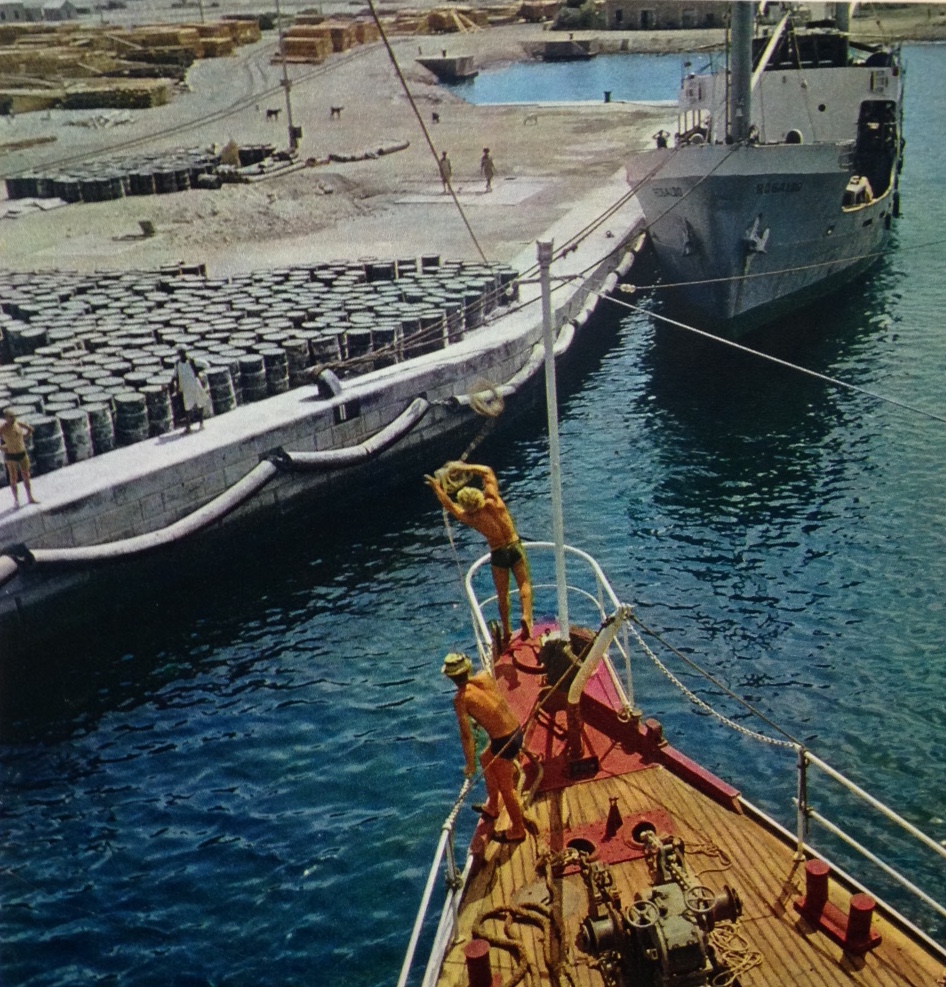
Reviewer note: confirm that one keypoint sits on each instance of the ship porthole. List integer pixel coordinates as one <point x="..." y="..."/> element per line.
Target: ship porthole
<point x="821" y="107"/>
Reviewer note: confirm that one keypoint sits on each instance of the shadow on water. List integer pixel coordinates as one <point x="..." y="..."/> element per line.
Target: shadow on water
<point x="763" y="431"/>
<point x="157" y="620"/>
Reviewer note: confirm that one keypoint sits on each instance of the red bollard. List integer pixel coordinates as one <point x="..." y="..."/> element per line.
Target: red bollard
<point x="477" y="963"/>
<point x="816" y="886"/>
<point x="858" y="920"/>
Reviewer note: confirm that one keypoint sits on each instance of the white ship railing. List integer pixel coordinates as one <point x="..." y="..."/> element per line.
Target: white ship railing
<point x="454" y="883"/>
<point x="806" y="813"/>
<point x="600" y="600"/>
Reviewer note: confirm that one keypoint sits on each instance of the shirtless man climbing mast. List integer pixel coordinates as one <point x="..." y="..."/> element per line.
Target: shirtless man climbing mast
<point x="485" y="512"/>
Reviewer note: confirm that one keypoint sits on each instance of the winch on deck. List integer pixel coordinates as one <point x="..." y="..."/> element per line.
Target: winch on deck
<point x="662" y="938"/>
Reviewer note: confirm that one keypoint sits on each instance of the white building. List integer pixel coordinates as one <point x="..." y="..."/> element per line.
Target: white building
<point x="13" y="12"/>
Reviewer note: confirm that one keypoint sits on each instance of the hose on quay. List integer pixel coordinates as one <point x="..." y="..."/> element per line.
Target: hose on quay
<point x="278" y="460"/>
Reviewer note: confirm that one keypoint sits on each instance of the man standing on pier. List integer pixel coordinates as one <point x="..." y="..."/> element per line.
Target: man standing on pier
<point x="13" y="442"/>
<point x="485" y="512"/>
<point x="488" y="168"/>
<point x="446" y="170"/>
<point x="479" y="699"/>
<point x="192" y="391"/>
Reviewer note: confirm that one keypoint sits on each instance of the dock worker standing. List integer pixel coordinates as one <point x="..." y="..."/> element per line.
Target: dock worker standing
<point x="478" y="699"/>
<point x="485" y="511"/>
<point x="192" y="391"/>
<point x="446" y="170"/>
<point x="15" y="457"/>
<point x="488" y="168"/>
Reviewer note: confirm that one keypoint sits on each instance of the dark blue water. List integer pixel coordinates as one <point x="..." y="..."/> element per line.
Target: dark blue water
<point x="242" y="783"/>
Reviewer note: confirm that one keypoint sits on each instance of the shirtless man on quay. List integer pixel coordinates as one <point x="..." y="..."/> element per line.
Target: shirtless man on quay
<point x="478" y="698"/>
<point x="12" y="440"/>
<point x="485" y="512"/>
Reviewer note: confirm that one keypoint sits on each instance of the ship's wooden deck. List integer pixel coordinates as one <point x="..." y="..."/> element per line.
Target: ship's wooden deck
<point x="723" y="847"/>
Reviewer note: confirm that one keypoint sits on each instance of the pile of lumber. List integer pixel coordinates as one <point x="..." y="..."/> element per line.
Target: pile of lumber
<point x="305" y="43"/>
<point x="312" y="38"/>
<point x="440" y="20"/>
<point x="119" y="94"/>
<point x="75" y="53"/>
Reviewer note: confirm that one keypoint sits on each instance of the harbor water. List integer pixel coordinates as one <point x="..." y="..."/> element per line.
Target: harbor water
<point x="241" y="780"/>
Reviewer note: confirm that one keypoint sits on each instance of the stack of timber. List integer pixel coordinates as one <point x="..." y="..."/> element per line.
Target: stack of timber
<point x="116" y="94"/>
<point x="313" y="39"/>
<point x="305" y="43"/>
<point x="33" y="55"/>
<point x="440" y="20"/>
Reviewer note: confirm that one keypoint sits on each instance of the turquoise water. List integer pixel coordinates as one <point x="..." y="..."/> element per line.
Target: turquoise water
<point x="242" y="783"/>
<point x="641" y="78"/>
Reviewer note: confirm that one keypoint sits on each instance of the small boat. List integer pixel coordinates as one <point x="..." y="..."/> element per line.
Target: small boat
<point x="781" y="183"/>
<point x="641" y="866"/>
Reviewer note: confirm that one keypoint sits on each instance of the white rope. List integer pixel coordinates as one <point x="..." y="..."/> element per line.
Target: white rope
<point x="695" y="699"/>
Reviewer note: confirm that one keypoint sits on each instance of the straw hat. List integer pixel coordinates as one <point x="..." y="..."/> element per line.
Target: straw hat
<point x="456" y="664"/>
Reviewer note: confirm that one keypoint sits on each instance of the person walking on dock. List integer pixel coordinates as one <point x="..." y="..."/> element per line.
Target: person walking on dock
<point x="446" y="170"/>
<point x="488" y="168"/>
<point x="478" y="699"/>
<point x="15" y="457"/>
<point x="192" y="391"/>
<point x="485" y="511"/>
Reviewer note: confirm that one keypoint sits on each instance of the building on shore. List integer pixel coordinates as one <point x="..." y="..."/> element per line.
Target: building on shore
<point x="16" y="12"/>
<point x="13" y="12"/>
<point x="663" y="15"/>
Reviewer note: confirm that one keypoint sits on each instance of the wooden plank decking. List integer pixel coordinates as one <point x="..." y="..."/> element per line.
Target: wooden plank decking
<point x="723" y="847"/>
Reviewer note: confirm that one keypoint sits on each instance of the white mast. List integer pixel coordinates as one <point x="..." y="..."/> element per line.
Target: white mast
<point x="555" y="467"/>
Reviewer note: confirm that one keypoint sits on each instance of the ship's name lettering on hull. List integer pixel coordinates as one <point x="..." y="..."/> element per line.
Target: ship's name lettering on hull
<point x="774" y="188"/>
<point x="668" y="192"/>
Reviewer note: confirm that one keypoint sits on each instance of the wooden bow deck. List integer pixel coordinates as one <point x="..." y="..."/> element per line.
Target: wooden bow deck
<point x="724" y="845"/>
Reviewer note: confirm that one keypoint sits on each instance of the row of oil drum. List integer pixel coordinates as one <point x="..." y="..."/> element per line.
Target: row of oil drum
<point x="175" y="171"/>
<point x="70" y="437"/>
<point x="102" y="347"/>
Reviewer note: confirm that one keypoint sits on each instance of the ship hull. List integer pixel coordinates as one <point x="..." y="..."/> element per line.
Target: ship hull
<point x="746" y="234"/>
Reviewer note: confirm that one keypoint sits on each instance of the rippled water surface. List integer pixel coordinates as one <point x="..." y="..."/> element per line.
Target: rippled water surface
<point x="242" y="782"/>
<point x="626" y="77"/>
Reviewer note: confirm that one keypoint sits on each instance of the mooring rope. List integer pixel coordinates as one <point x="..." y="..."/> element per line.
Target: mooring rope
<point x="791" y="743"/>
<point x="423" y="126"/>
<point x="816" y="375"/>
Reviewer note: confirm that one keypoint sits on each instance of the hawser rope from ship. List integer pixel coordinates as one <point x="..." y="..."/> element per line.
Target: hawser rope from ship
<point x="16" y="556"/>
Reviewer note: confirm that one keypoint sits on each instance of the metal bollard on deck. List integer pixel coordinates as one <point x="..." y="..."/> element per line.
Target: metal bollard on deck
<point x="477" y="964"/>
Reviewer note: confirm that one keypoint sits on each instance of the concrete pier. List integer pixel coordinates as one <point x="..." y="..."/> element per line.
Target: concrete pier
<point x="144" y="487"/>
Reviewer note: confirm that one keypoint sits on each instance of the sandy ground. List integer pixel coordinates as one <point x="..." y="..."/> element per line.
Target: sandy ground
<point x="546" y="156"/>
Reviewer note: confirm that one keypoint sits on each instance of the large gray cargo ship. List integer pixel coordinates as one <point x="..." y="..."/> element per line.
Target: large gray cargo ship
<point x="781" y="183"/>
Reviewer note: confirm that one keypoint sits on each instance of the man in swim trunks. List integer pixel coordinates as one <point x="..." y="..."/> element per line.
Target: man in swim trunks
<point x="479" y="699"/>
<point x="484" y="511"/>
<point x="15" y="458"/>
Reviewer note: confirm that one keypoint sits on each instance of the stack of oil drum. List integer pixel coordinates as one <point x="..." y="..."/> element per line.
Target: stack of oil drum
<point x="156" y="174"/>
<point x="87" y="359"/>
